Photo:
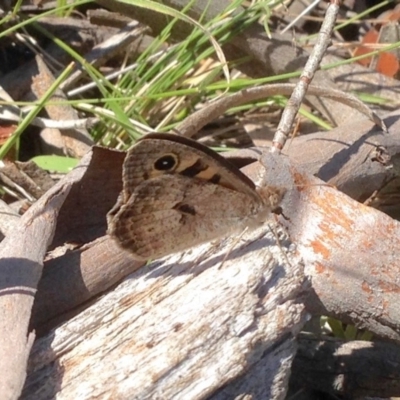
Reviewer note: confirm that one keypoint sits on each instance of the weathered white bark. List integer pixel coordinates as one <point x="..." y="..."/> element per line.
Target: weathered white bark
<point x="182" y="328"/>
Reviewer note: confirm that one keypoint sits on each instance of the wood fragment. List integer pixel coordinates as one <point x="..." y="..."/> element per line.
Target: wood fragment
<point x="21" y="261"/>
<point x="183" y="327"/>
<point x="347" y="249"/>
<point x="73" y="280"/>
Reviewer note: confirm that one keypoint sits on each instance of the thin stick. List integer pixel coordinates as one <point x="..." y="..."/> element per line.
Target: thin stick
<point x="313" y="63"/>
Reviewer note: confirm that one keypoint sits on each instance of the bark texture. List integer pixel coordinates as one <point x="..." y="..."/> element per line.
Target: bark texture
<point x="185" y="327"/>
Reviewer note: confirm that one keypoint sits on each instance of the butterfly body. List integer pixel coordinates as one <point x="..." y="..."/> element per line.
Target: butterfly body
<point x="177" y="194"/>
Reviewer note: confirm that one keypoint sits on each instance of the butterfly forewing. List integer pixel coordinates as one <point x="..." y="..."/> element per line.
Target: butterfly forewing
<point x="193" y="160"/>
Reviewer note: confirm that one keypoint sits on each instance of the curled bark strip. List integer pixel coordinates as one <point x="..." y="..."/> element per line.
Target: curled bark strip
<point x="192" y="124"/>
<point x="77" y="277"/>
<point x="82" y="218"/>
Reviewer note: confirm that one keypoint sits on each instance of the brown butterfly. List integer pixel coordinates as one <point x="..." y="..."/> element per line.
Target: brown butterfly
<point x="178" y="193"/>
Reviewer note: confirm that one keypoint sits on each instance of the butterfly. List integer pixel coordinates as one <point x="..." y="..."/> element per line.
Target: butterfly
<point x="178" y="193"/>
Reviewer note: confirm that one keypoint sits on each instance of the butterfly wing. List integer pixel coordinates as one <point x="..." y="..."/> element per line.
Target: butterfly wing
<point x="191" y="159"/>
<point x="171" y="213"/>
